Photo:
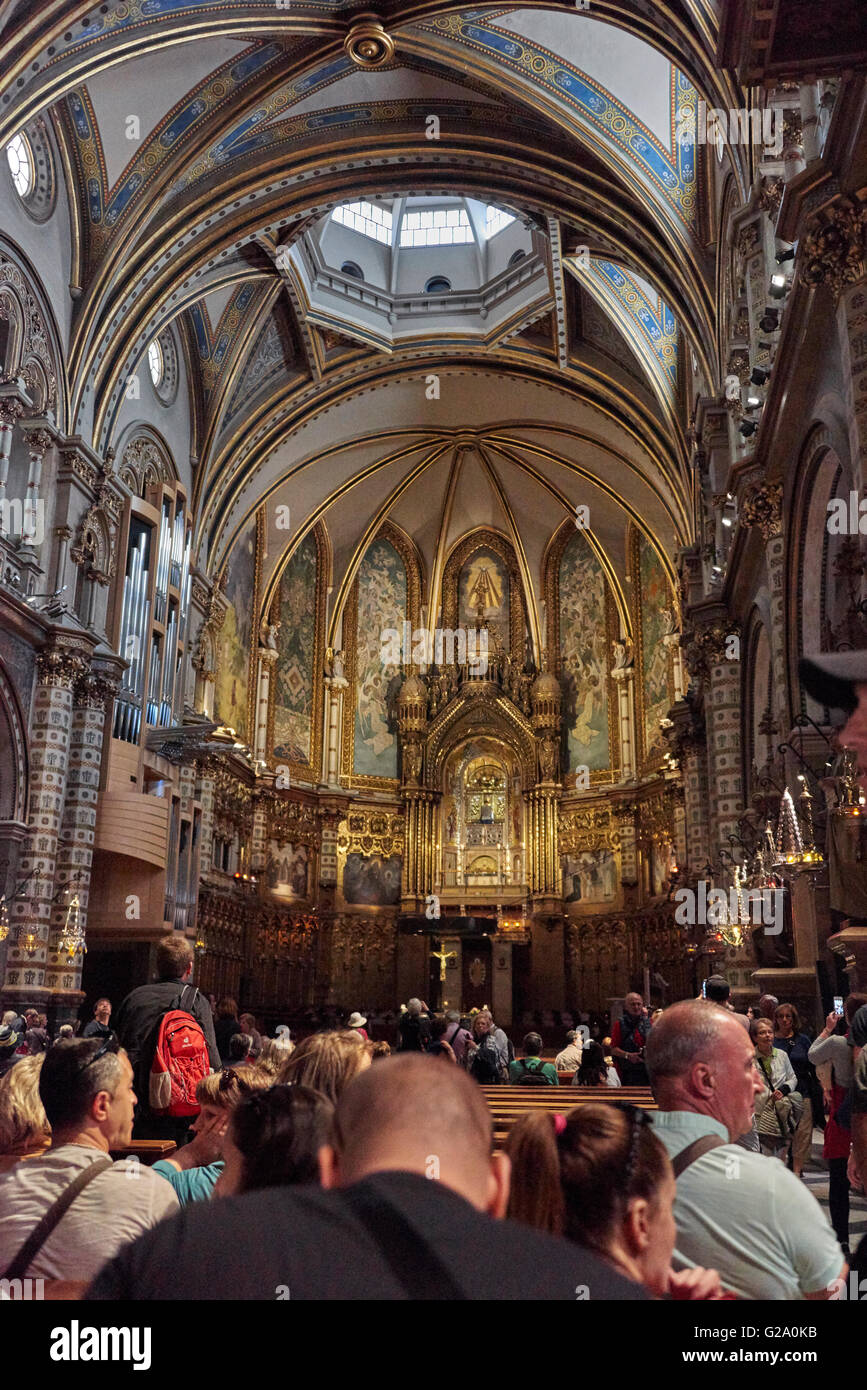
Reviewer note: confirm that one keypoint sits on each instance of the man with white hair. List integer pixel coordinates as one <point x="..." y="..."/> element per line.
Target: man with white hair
<point x="745" y="1214"/>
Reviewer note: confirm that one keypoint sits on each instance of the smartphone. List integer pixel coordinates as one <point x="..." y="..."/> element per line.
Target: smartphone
<point x="838" y="1005"/>
<point x="704" y="989"/>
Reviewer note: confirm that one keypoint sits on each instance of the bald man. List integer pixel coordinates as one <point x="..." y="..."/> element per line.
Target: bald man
<point x="410" y="1207"/>
<point x="763" y="1229"/>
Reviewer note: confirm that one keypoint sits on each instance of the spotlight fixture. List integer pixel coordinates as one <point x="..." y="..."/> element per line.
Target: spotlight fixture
<point x="726" y="521"/>
<point x="783" y="256"/>
<point x="759" y="375"/>
<point x="753" y="402"/>
<point x="747" y="427"/>
<point x="779" y="287"/>
<point x="770" y="320"/>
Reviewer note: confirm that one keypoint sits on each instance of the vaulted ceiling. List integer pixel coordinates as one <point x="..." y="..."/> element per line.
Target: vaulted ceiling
<point x="202" y="142"/>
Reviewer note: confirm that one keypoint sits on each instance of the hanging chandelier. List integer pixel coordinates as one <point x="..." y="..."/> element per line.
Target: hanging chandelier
<point x="71" y="941"/>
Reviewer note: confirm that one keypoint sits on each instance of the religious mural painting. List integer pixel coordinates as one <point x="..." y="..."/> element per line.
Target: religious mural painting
<point x="372" y="880"/>
<point x="656" y="603"/>
<point x="293" y="672"/>
<point x="583" y="655"/>
<point x="288" y="870"/>
<point x="590" y="876"/>
<point x="382" y="604"/>
<point x="231" y="693"/>
<point x="483" y="594"/>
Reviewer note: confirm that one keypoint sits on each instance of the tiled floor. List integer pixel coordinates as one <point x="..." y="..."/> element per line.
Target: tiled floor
<point x="816" y="1177"/>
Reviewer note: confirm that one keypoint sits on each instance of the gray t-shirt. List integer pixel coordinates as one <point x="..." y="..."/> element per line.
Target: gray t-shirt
<point x="747" y="1216"/>
<point x="113" y="1209"/>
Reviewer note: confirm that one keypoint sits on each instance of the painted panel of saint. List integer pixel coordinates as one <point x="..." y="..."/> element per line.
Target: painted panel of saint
<point x="382" y="600"/>
<point x="656" y="600"/>
<point x="371" y="881"/>
<point x="590" y="877"/>
<point x="483" y="594"/>
<point x="583" y="655"/>
<point x="236" y="635"/>
<point x="293" y="672"/>
<point x="288" y="870"/>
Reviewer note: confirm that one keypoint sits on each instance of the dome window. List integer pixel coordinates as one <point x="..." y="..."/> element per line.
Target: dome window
<point x="351" y="268"/>
<point x="437" y="284"/>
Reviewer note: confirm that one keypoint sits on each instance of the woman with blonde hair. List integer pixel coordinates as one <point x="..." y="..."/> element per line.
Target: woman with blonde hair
<point x="193" y="1170"/>
<point x="24" y="1128"/>
<point x="275" y="1053"/>
<point x="326" y="1062"/>
<point x="600" y="1177"/>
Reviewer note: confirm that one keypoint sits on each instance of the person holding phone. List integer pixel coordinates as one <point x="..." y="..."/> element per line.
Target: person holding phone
<point x="832" y="1046"/>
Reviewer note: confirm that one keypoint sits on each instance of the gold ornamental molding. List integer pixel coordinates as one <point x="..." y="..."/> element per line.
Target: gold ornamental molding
<point x="367" y="43"/>
<point x="371" y="832"/>
<point x="834" y="251"/>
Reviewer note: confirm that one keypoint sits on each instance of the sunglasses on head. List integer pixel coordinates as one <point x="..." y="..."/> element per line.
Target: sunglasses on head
<point x="109" y="1045"/>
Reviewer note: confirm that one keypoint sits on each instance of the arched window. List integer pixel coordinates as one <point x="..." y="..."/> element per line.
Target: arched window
<point x="351" y="268"/>
<point x="155" y="363"/>
<point x="517" y="256"/>
<point x="31" y="169"/>
<point x="437" y="284"/>
<point x="20" y="157"/>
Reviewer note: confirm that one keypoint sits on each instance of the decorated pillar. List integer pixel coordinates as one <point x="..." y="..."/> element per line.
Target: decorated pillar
<point x="336" y="686"/>
<point x="624" y="680"/>
<point x="92" y="694"/>
<point x="12" y="407"/>
<point x="419" y="800"/>
<point x="762" y="507"/>
<point x="267" y="661"/>
<point x="59" y="665"/>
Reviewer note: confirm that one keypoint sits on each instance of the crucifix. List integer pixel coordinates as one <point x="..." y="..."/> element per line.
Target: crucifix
<point x="442" y="955"/>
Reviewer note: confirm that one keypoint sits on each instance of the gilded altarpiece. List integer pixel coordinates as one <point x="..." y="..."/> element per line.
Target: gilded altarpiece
<point x="235" y="688"/>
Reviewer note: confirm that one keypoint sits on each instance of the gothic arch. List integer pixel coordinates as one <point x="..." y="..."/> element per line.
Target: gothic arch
<point x="478" y="715"/>
<point x="34" y="350"/>
<point x="486" y="537"/>
<point x="14" y="761"/>
<point x="817" y="616"/>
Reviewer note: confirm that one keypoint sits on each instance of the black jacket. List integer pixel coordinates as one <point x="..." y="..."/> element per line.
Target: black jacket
<point x="137" y="1020"/>
<point x="303" y="1243"/>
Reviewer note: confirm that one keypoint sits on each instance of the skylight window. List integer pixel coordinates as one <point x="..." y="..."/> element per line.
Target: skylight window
<point x="372" y="221"/>
<point x="495" y="220"/>
<point x="439" y="227"/>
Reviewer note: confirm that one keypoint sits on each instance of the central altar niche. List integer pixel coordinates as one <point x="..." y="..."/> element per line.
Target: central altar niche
<point x="481" y="833"/>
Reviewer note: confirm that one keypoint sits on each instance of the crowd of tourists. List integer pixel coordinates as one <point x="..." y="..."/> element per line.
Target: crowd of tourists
<point x="323" y="1163"/>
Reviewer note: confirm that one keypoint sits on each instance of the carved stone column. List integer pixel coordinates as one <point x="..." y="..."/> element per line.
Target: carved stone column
<point x="724" y="745"/>
<point x="11" y="410"/>
<point x="59" y="666"/>
<point x="335" y="695"/>
<point x="762" y="507"/>
<point x="267" y="662"/>
<point x="624" y="678"/>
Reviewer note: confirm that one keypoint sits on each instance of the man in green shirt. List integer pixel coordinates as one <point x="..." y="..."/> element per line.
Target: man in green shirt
<point x="531" y="1065"/>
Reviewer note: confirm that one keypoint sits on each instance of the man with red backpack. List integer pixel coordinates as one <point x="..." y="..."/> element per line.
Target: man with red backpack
<point x="167" y="1029"/>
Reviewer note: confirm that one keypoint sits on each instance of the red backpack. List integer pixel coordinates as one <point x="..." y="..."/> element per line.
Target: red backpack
<point x="181" y="1061"/>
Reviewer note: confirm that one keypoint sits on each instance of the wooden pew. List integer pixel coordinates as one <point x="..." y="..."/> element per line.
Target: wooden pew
<point x="147" y="1151"/>
<point x="507" y="1103"/>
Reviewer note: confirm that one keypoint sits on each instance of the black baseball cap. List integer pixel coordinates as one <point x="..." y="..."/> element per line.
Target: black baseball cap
<point x="831" y="678"/>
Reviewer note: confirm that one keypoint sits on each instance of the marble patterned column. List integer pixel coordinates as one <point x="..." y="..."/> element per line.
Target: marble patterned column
<point x="59" y="666"/>
<point x="91" y="694"/>
<point x="762" y="507"/>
